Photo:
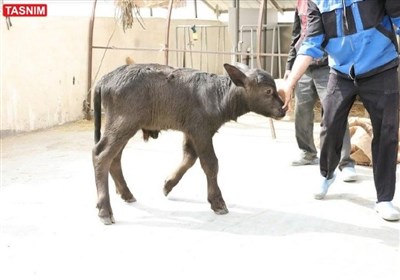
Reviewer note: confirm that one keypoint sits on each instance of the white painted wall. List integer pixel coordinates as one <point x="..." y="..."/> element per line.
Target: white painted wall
<point x="44" y="64"/>
<point x="43" y="72"/>
<point x="44" y="61"/>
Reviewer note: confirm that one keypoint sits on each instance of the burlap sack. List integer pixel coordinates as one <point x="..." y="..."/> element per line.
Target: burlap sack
<point x="361" y="137"/>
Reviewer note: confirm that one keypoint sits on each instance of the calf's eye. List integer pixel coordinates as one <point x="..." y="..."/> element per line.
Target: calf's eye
<point x="269" y="91"/>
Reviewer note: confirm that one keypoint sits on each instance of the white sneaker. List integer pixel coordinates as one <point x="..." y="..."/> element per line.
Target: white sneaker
<point x="305" y="161"/>
<point x="387" y="211"/>
<point x="349" y="174"/>
<point x="323" y="187"/>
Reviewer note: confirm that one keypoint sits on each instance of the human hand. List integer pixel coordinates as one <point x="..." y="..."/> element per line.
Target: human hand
<point x="286" y="75"/>
<point x="285" y="91"/>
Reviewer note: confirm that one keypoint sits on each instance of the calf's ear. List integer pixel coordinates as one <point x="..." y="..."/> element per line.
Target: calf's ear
<point x="237" y="76"/>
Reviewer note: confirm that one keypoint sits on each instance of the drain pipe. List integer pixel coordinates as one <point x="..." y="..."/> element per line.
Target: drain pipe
<point x="88" y="101"/>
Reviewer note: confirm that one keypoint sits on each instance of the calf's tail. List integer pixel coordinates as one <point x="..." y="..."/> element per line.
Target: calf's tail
<point x="97" y="113"/>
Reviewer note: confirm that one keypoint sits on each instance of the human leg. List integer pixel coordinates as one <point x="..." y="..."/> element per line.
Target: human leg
<point x="337" y="103"/>
<point x="304" y="120"/>
<point x="380" y="95"/>
<point x="346" y="164"/>
<point x="340" y="97"/>
<point x="346" y="160"/>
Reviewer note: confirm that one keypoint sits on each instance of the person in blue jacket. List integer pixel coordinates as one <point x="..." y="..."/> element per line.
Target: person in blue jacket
<point x="360" y="39"/>
<point x="311" y="86"/>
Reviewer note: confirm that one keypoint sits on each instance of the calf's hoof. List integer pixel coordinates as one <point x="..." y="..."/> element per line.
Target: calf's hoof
<point x="128" y="198"/>
<point x="106" y="216"/>
<point x="165" y="191"/>
<point x="221" y="211"/>
<point x="107" y="220"/>
<point x="218" y="206"/>
<point x="168" y="186"/>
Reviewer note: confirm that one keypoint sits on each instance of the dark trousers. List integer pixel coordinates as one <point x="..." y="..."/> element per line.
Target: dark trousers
<point x="311" y="87"/>
<point x="380" y="96"/>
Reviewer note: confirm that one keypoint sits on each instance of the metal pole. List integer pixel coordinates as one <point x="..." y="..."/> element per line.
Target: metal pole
<point x="190" y="47"/>
<point x="279" y="53"/>
<point x="88" y="101"/>
<point x="273" y="49"/>
<point x="252" y="48"/>
<point x="259" y="34"/>
<point x="206" y="44"/>
<point x="265" y="34"/>
<point x="177" y="44"/>
<point x="201" y="47"/>
<point x="176" y="50"/>
<point x="166" y="46"/>
<point x="236" y="5"/>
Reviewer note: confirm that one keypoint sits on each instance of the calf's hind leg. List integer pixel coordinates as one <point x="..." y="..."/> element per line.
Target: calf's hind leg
<point x="119" y="180"/>
<point x="189" y="158"/>
<point x="104" y="152"/>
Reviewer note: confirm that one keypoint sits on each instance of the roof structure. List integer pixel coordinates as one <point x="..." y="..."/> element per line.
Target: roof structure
<point x="221" y="6"/>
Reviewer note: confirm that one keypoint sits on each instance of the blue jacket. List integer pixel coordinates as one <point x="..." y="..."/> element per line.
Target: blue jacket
<point x="360" y="40"/>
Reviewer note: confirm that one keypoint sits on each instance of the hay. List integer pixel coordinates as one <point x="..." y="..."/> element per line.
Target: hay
<point x="128" y="10"/>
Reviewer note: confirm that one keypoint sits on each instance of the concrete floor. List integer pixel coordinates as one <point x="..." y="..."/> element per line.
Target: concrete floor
<point x="275" y="230"/>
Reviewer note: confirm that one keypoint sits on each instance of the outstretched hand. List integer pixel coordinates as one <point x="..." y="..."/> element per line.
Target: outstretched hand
<point x="285" y="94"/>
<point x="285" y="91"/>
<point x="286" y="88"/>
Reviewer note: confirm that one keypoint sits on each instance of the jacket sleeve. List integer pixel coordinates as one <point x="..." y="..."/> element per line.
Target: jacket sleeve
<point x="312" y="45"/>
<point x="393" y="10"/>
<point x="296" y="32"/>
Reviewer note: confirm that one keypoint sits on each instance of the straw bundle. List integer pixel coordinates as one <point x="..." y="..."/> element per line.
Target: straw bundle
<point x="127" y="10"/>
<point x="158" y="3"/>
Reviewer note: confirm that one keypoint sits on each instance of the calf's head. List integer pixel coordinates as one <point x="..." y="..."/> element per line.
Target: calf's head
<point x="259" y="91"/>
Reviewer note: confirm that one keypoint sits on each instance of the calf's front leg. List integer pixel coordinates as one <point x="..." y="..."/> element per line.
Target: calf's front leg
<point x="209" y="164"/>
<point x="189" y="158"/>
